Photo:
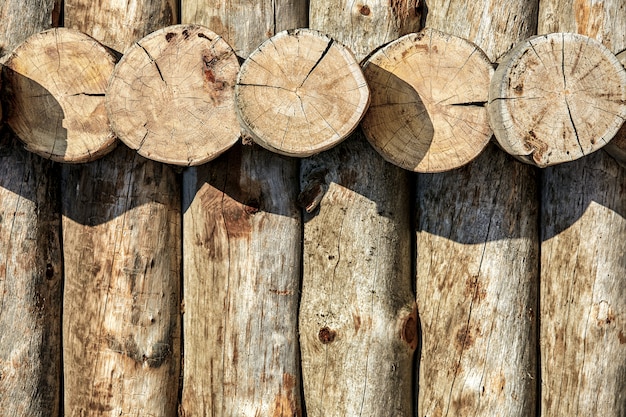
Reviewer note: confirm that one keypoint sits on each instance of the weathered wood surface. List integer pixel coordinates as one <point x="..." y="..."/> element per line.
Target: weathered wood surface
<point x="171" y="96"/>
<point x="300" y="93"/>
<point x="55" y="83"/>
<point x="583" y="269"/>
<point x="428" y="94"/>
<point x="241" y="242"/>
<point x="244" y="24"/>
<point x="477" y="255"/>
<point x="121" y="245"/>
<point x="118" y="24"/>
<point x="364" y="26"/>
<point x="31" y="269"/>
<point x="358" y="326"/>
<point x="556" y="98"/>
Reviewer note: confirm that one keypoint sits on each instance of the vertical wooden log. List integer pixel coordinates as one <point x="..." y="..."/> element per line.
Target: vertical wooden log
<point x="358" y="325"/>
<point x="30" y="252"/>
<point x="477" y="255"/>
<point x="583" y="268"/>
<point x="121" y="245"/>
<point x="241" y="243"/>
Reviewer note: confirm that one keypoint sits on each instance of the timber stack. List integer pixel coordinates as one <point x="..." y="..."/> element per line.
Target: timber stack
<point x="313" y="208"/>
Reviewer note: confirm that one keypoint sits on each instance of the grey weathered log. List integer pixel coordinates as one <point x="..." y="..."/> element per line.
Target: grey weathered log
<point x="121" y="245"/>
<point x="583" y="268"/>
<point x="31" y="269"/>
<point x="241" y="244"/>
<point x="358" y="326"/>
<point x="477" y="255"/>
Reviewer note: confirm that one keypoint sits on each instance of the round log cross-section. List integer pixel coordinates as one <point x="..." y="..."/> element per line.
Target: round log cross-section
<point x="617" y="146"/>
<point x="56" y="81"/>
<point x="429" y="92"/>
<point x="557" y="97"/>
<point x="171" y="96"/>
<point x="300" y="93"/>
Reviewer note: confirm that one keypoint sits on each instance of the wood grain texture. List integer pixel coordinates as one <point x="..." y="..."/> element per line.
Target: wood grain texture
<point x="118" y="24"/>
<point x="31" y="268"/>
<point x="242" y="234"/>
<point x="242" y="263"/>
<point x="244" y="24"/>
<point x="583" y="308"/>
<point x="31" y="273"/>
<point x="477" y="255"/>
<point x="358" y="324"/>
<point x="122" y="247"/>
<point x="363" y="26"/>
<point x="358" y="327"/>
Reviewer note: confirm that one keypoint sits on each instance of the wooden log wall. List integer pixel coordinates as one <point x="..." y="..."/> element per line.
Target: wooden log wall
<point x="334" y="285"/>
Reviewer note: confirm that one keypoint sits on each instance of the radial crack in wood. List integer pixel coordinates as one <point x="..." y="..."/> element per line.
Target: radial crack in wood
<point x="300" y="93"/>
<point x="617" y="146"/>
<point x="55" y="83"/>
<point x="171" y="96"/>
<point x="557" y="97"/>
<point x="428" y="94"/>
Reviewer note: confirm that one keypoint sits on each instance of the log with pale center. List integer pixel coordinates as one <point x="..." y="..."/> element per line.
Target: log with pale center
<point x="300" y="93"/>
<point x="429" y="91"/>
<point x="56" y="81"/>
<point x="557" y="97"/>
<point x="171" y="96"/>
<point x="617" y="146"/>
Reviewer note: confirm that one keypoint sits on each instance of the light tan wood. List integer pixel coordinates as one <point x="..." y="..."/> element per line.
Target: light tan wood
<point x="583" y="304"/>
<point x="242" y="237"/>
<point x="55" y="88"/>
<point x="244" y="24"/>
<point x="364" y="26"/>
<point x="300" y="93"/>
<point x="357" y="320"/>
<point x="118" y="24"/>
<point x="171" y="96"/>
<point x="429" y="91"/>
<point x="122" y="252"/>
<point x="31" y="264"/>
<point x="556" y="98"/>
<point x="617" y="146"/>
<point x="477" y="255"/>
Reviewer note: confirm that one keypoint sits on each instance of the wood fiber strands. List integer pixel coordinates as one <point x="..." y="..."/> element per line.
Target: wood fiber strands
<point x="31" y="268"/>
<point x="477" y="255"/>
<point x="56" y="82"/>
<point x="429" y="91"/>
<point x="121" y="245"/>
<point x="242" y="234"/>
<point x="171" y="96"/>
<point x="556" y="98"/>
<point x="583" y="269"/>
<point x="358" y="326"/>
<point x="300" y="93"/>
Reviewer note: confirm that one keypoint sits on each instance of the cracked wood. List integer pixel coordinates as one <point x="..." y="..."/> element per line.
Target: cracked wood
<point x="556" y="98"/>
<point x="55" y="83"/>
<point x="171" y="96"/>
<point x="300" y="93"/>
<point x="428" y="94"/>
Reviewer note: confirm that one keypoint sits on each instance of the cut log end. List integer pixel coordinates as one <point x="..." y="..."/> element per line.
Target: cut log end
<point x="55" y="82"/>
<point x="428" y="95"/>
<point x="171" y="96"/>
<point x="300" y="93"/>
<point x="617" y="146"/>
<point x="557" y="97"/>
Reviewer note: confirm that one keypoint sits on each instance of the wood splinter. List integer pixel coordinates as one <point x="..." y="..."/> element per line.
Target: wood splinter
<point x="55" y="83"/>
<point x="555" y="98"/>
<point x="171" y="96"/>
<point x="429" y="91"/>
<point x="300" y="93"/>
